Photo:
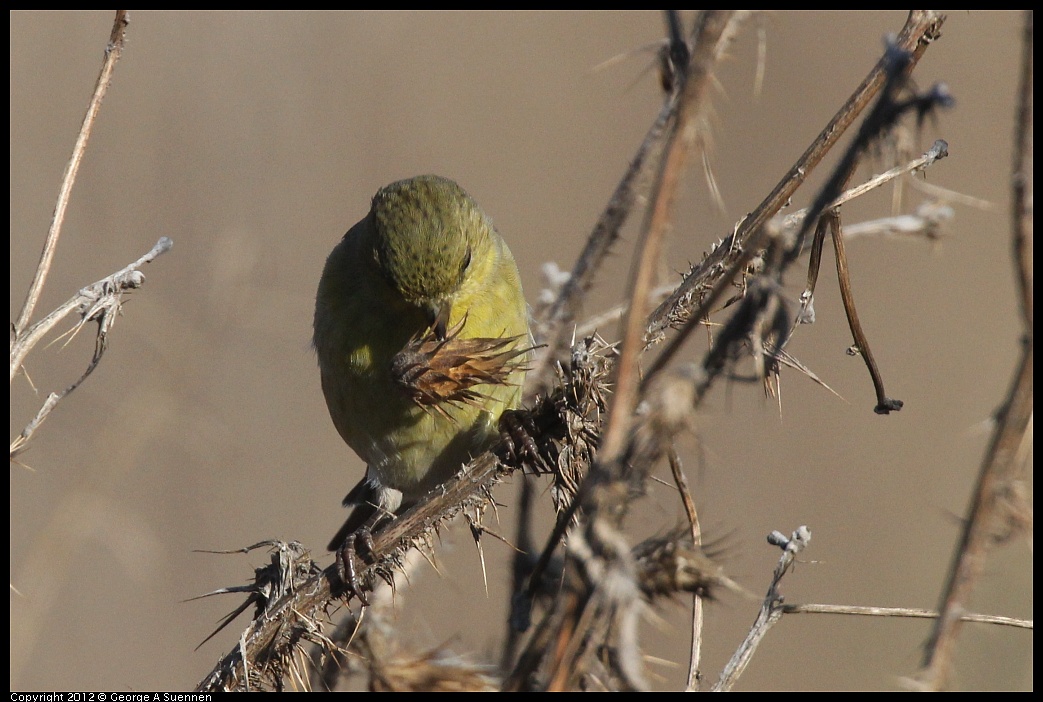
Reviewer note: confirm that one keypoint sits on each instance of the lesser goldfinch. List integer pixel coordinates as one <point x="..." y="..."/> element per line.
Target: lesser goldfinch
<point x="422" y="281"/>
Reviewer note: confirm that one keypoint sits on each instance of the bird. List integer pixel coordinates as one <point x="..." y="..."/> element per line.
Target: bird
<point x="421" y="332"/>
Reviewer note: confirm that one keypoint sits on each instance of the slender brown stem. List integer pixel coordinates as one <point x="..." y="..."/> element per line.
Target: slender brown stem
<point x="1022" y="179"/>
<point x="695" y="654"/>
<point x="552" y="327"/>
<point x="921" y="27"/>
<point x="884" y="404"/>
<point x="709" y="31"/>
<point x="1003" y="463"/>
<point x="112" y="54"/>
<point x="807" y="299"/>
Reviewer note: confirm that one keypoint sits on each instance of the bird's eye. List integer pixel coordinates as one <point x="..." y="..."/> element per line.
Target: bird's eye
<point x="467" y="260"/>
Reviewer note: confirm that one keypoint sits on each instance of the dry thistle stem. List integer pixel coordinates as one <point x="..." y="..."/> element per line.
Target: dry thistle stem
<point x="290" y="566"/>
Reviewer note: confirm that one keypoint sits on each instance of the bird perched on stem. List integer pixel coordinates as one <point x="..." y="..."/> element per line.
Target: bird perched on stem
<point x="422" y="337"/>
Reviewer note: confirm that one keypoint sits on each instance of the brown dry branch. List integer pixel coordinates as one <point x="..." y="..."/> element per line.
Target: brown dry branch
<point x="594" y="617"/>
<point x="927" y="222"/>
<point x="921" y="28"/>
<point x="99" y="302"/>
<point x="894" y="68"/>
<point x="269" y="646"/>
<point x="712" y="34"/>
<point x="583" y="607"/>
<point x="551" y="324"/>
<point x="113" y="51"/>
<point x="582" y="611"/>
<point x="999" y="504"/>
<point x="695" y="655"/>
<point x="892" y="105"/>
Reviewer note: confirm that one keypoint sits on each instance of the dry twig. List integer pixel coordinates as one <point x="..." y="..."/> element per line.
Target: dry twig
<point x="998" y="502"/>
<point x="771" y="609"/>
<point x="99" y="302"/>
<point x="112" y="54"/>
<point x="588" y="635"/>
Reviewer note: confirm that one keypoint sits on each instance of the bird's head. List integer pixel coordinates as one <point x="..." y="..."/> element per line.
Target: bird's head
<point x="430" y="238"/>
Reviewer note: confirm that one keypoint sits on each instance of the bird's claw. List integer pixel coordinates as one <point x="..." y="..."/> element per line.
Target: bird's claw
<point x="517" y="432"/>
<point x="345" y="562"/>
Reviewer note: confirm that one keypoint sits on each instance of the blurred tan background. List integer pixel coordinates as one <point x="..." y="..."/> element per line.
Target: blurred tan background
<point x="256" y="140"/>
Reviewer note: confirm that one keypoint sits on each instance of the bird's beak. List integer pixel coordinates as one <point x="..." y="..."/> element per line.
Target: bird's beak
<point x="438" y="317"/>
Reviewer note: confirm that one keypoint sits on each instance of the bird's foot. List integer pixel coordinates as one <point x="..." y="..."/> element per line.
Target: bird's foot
<point x="517" y="432"/>
<point x="358" y="542"/>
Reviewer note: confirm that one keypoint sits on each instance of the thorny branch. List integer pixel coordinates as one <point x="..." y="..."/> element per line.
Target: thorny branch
<point x="921" y="28"/>
<point x="589" y="636"/>
<point x="100" y="302"/>
<point x="999" y="503"/>
<point x="565" y="422"/>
